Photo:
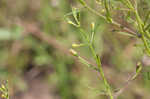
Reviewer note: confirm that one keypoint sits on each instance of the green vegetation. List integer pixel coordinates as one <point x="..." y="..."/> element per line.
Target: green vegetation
<point x="75" y="49"/>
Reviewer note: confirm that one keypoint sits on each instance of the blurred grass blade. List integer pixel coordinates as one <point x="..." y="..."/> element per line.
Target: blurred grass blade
<point x="126" y="34"/>
<point x="107" y="8"/>
<point x="147" y="17"/>
<point x="147" y="27"/>
<point x="82" y="2"/>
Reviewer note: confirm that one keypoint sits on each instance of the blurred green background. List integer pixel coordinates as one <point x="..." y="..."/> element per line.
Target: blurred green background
<point x="34" y="52"/>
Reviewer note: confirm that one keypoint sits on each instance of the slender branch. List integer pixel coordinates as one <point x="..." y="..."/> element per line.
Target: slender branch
<point x="138" y="70"/>
<point x="98" y="62"/>
<point x="140" y="26"/>
<point x="108" y="88"/>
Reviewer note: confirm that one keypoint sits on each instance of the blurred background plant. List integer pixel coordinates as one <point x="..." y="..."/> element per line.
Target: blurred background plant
<point x="4" y="90"/>
<point x="35" y="41"/>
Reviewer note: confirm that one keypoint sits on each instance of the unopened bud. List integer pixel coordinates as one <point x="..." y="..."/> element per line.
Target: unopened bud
<point x="70" y="22"/>
<point x="93" y="25"/>
<point x="73" y="52"/>
<point x="77" y="45"/>
<point x="103" y="10"/>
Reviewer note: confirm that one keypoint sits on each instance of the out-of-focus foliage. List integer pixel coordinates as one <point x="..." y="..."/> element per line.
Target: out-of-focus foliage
<point x="34" y="47"/>
<point x="4" y="90"/>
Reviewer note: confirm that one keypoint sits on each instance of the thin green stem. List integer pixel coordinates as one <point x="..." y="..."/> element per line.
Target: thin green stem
<point x="140" y="26"/>
<point x="108" y="15"/>
<point x="93" y="11"/>
<point x="138" y="70"/>
<point x="87" y="63"/>
<point x="98" y="62"/>
<point x="108" y="88"/>
<point x="146" y="45"/>
<point x="140" y="23"/>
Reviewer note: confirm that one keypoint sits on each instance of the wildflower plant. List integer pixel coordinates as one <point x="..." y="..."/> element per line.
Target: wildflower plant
<point x="140" y="24"/>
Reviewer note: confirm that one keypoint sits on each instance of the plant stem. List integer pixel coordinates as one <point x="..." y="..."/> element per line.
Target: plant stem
<point x="140" y="23"/>
<point x="112" y="21"/>
<point x="98" y="62"/>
